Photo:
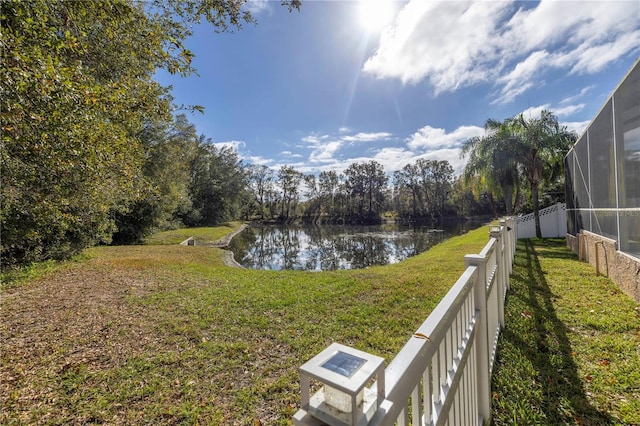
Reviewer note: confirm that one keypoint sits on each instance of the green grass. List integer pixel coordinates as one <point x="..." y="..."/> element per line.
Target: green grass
<point x="570" y="351"/>
<point x="167" y="334"/>
<point x="210" y="235"/>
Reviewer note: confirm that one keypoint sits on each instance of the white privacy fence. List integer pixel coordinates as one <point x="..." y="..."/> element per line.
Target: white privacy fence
<point x="553" y="223"/>
<point x="442" y="376"/>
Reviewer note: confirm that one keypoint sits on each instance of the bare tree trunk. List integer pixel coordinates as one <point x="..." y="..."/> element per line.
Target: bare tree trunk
<point x="536" y="208"/>
<point x="508" y="199"/>
<point x="493" y="205"/>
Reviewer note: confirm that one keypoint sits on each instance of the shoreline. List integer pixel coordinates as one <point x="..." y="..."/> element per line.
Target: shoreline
<point x="227" y="239"/>
<point x="227" y="255"/>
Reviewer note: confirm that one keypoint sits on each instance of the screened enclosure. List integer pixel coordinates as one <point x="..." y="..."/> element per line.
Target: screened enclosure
<point x="603" y="170"/>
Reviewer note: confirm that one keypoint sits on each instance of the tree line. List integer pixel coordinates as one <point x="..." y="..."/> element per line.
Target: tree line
<point x="94" y="152"/>
<point x="363" y="193"/>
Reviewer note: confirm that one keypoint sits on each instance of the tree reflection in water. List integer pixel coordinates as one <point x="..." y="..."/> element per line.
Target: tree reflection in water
<point x="331" y="247"/>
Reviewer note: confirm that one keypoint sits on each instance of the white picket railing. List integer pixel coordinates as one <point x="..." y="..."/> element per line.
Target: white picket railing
<point x="442" y="376"/>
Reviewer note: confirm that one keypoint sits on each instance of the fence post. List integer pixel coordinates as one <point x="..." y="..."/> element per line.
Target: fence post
<point x="501" y="262"/>
<point x="482" y="343"/>
<point x="510" y="243"/>
<point x="514" y="243"/>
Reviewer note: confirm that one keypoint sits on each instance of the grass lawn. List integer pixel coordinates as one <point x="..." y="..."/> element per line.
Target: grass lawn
<point x="203" y="236"/>
<point x="570" y="351"/>
<point x="167" y="334"/>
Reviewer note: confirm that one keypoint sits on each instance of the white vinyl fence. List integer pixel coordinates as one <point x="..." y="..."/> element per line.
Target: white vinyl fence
<point x="442" y="376"/>
<point x="553" y="223"/>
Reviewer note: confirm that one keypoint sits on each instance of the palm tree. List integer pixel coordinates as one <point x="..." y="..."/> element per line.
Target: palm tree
<point x="541" y="145"/>
<point x="494" y="159"/>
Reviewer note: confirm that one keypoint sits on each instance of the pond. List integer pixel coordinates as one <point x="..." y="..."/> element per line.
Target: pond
<point x="332" y="247"/>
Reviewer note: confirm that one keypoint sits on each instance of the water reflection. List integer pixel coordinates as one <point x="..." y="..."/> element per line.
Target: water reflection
<point x="331" y="247"/>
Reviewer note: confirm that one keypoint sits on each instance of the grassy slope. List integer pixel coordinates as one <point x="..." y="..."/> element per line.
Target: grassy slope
<point x="168" y="334"/>
<point x="202" y="235"/>
<point x="570" y="352"/>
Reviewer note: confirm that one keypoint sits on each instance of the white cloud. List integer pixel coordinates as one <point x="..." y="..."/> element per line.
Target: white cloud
<point x="580" y="95"/>
<point x="255" y="7"/>
<point x="367" y="137"/>
<point x="591" y="59"/>
<point x="568" y="110"/>
<point x="257" y="160"/>
<point x="455" y="44"/>
<point x="393" y="158"/>
<point x="436" y="144"/>
<point x="519" y="79"/>
<point x="534" y="112"/>
<point x="558" y="111"/>
<point x="577" y="126"/>
<point x="448" y="154"/>
<point x="236" y="145"/>
<point x="315" y="139"/>
<point x="430" y="138"/>
<point x="561" y="111"/>
<point x="428" y="142"/>
<point x="323" y="153"/>
<point x="325" y="147"/>
<point x="440" y="41"/>
<point x="290" y="154"/>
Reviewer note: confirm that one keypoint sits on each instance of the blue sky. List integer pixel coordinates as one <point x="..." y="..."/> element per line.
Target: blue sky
<point x="333" y="84"/>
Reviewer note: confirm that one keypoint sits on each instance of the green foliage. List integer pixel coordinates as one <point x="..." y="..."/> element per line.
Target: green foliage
<point x="261" y="184"/>
<point x="467" y="202"/>
<point x="516" y="150"/>
<point x="218" y="181"/>
<point x="423" y="189"/>
<point x="73" y="94"/>
<point x="493" y="162"/>
<point x="289" y="181"/>
<point x="542" y="145"/>
<point x="85" y="150"/>
<point x="169" y="148"/>
<point x="365" y="184"/>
